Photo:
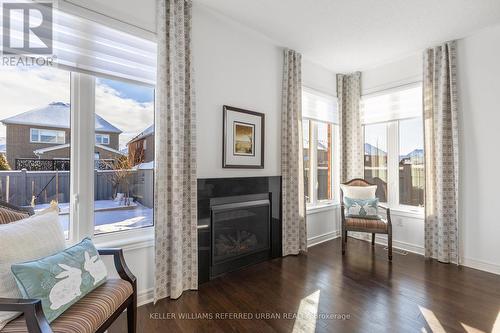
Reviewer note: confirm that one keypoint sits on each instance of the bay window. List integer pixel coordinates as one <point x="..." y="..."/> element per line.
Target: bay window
<point x="73" y="130"/>
<point x="320" y="127"/>
<point x="393" y="145"/>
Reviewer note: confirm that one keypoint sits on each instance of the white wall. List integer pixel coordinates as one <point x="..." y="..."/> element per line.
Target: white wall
<point x="237" y="67"/>
<point x="479" y="95"/>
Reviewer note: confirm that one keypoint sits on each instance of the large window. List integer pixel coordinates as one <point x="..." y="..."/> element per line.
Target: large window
<point x="393" y="141"/>
<point x="77" y="133"/>
<point x="319" y="128"/>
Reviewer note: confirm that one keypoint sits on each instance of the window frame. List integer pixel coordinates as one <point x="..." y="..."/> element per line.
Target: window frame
<point x="39" y="136"/>
<point x="393" y="140"/>
<point x="314" y="203"/>
<point x="82" y="151"/>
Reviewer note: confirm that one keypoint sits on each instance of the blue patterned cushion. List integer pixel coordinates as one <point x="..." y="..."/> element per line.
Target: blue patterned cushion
<point x="361" y="208"/>
<point x="60" y="280"/>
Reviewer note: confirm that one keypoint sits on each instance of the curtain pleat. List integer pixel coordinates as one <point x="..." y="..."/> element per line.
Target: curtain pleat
<point x="175" y="208"/>
<point x="441" y="153"/>
<point x="292" y="160"/>
<point x="351" y="134"/>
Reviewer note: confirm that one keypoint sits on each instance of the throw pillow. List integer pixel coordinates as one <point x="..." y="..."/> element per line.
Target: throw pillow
<point x="361" y="208"/>
<point x="60" y="280"/>
<point x="34" y="237"/>
<point x="359" y="192"/>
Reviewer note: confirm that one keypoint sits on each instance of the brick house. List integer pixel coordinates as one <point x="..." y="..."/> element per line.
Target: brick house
<point x="44" y="133"/>
<point x="141" y="148"/>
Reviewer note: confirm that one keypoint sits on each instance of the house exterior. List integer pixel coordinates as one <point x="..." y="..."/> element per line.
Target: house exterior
<point x="44" y="134"/>
<point x="141" y="148"/>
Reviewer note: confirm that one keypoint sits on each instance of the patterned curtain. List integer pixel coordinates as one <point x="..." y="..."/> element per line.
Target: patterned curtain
<point x="176" y="250"/>
<point x="441" y="153"/>
<point x="292" y="160"/>
<point x="351" y="135"/>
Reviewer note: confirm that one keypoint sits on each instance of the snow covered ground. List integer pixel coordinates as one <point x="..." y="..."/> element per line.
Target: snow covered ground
<point x="110" y="216"/>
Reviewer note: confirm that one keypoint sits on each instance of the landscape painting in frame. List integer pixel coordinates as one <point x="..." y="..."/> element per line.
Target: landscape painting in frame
<point x="243" y="138"/>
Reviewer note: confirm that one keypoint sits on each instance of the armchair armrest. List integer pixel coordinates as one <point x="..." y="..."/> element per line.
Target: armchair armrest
<point x="120" y="265"/>
<point x="32" y="310"/>
<point x="387" y="212"/>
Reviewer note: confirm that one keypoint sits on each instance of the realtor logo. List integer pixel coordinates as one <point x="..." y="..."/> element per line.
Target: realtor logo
<point x="27" y="28"/>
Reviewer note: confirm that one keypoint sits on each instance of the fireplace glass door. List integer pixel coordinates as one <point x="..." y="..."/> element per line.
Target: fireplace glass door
<point x="239" y="229"/>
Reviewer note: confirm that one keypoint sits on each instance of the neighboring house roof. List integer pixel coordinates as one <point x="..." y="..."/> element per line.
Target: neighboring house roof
<point x="372" y="150"/>
<point x="57" y="115"/>
<point x="147" y="132"/>
<point x="48" y="149"/>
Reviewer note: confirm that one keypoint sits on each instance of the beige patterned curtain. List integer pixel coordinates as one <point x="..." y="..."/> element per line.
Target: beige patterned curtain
<point x="292" y="159"/>
<point x="441" y="153"/>
<point x="176" y="252"/>
<point x="351" y="135"/>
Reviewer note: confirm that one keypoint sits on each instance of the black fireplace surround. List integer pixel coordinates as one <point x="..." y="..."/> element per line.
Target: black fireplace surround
<point x="239" y="223"/>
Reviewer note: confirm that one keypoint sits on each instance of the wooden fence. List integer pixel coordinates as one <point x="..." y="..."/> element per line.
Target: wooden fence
<point x="21" y="187"/>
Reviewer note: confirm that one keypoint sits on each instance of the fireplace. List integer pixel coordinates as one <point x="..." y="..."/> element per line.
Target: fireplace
<point x="239" y="223"/>
<point x="240" y="231"/>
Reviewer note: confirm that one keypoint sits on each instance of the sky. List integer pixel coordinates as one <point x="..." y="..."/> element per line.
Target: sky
<point x="127" y="106"/>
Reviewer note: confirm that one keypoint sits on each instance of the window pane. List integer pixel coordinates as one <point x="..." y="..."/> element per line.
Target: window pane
<point x="35" y="95"/>
<point x="307" y="158"/>
<point x="376" y="158"/>
<point x="411" y="162"/>
<point x="324" y="158"/>
<point x="124" y="170"/>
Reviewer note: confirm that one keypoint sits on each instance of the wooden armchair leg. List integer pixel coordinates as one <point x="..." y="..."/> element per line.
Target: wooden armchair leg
<point x="389" y="245"/>
<point x="373" y="239"/>
<point x="344" y="239"/>
<point x="132" y="316"/>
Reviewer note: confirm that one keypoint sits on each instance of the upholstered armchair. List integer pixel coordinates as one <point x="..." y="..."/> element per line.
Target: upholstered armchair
<point x="373" y="226"/>
<point x="93" y="313"/>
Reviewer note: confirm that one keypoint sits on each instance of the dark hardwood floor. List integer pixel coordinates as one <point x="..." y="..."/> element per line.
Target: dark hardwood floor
<point x="410" y="295"/>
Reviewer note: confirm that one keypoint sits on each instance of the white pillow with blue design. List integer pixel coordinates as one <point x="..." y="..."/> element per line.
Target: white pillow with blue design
<point x="60" y="280"/>
<point x="361" y="208"/>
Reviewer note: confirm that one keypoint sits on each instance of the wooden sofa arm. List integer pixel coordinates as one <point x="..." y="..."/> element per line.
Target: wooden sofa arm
<point x="387" y="213"/>
<point x="120" y="265"/>
<point x="32" y="310"/>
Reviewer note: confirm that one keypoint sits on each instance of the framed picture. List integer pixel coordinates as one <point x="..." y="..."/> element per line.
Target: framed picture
<point x="243" y="138"/>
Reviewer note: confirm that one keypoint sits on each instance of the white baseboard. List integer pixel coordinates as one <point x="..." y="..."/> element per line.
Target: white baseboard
<point x="413" y="248"/>
<point x="481" y="265"/>
<point x="322" y="238"/>
<point x="144" y="296"/>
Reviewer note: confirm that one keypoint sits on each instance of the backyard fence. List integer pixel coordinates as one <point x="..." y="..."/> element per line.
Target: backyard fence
<point x="21" y="187"/>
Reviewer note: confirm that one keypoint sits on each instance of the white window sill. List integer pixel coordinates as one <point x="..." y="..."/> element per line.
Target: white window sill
<point x="408" y="211"/>
<point x="321" y="207"/>
<point x="127" y="240"/>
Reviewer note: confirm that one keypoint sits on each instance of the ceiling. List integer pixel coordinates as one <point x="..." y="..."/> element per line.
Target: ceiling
<point x="349" y="35"/>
